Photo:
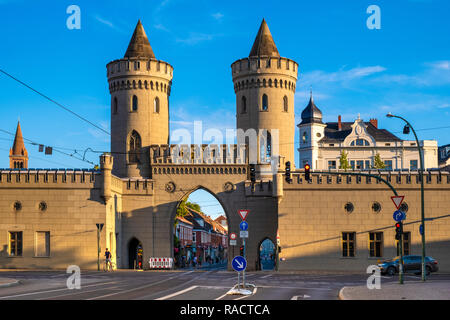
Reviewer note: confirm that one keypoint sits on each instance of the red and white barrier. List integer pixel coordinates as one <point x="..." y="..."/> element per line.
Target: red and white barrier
<point x="161" y="263"/>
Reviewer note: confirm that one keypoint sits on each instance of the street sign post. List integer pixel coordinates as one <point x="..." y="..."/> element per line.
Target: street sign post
<point x="239" y="264"/>
<point x="399" y="216"/>
<point x="397" y="201"/>
<point x="243" y="214"/>
<point x="243" y="226"/>
<point x="243" y="234"/>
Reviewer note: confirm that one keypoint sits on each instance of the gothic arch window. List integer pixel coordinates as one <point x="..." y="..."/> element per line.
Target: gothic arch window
<point x="134" y="105"/>
<point x="265" y="145"/>
<point x="270" y="82"/>
<point x="134" y="146"/>
<point x="151" y="85"/>
<point x="156" y="105"/>
<point x="305" y="137"/>
<point x="285" y="104"/>
<point x="244" y="105"/>
<point x="115" y="106"/>
<point x="265" y="103"/>
<point x="264" y="83"/>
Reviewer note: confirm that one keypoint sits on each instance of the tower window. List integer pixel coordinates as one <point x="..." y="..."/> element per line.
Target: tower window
<point x="265" y="102"/>
<point x="305" y="137"/>
<point x="265" y="147"/>
<point x="285" y="104"/>
<point x="115" y="107"/>
<point x="134" y="106"/>
<point x="156" y="105"/>
<point x="244" y="105"/>
<point x="134" y="147"/>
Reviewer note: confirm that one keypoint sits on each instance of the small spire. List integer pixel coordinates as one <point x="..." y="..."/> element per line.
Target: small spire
<point x="264" y="44"/>
<point x="310" y="94"/>
<point x="139" y="45"/>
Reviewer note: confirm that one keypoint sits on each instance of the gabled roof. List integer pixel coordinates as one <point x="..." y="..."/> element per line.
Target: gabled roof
<point x="264" y="44"/>
<point x="18" y="148"/>
<point x="139" y="45"/>
<point x="332" y="134"/>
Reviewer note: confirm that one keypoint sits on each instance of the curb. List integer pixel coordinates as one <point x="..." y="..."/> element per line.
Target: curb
<point x="341" y="295"/>
<point x="10" y="284"/>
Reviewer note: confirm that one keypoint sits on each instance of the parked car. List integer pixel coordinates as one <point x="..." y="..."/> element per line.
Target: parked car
<point x="410" y="264"/>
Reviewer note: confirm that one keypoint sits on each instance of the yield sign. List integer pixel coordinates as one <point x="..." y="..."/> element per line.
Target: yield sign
<point x="243" y="214"/>
<point x="397" y="200"/>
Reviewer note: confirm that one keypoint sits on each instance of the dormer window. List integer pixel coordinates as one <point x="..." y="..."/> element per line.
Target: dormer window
<point x="360" y="142"/>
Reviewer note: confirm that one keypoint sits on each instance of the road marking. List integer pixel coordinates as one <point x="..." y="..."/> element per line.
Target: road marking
<point x="253" y="293"/>
<point x="305" y="296"/>
<point x="141" y="287"/>
<point x="55" y="290"/>
<point x="265" y="277"/>
<point x="177" y="293"/>
<point x="327" y="289"/>
<point x="77" y="292"/>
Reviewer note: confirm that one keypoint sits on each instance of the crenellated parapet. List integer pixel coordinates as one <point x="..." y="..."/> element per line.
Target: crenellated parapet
<point x="399" y="180"/>
<point x="198" y="154"/>
<point x="47" y="178"/>
<point x="264" y="72"/>
<point x="139" y="73"/>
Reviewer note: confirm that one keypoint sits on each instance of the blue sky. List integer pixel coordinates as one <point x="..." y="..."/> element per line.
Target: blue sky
<point x="403" y="68"/>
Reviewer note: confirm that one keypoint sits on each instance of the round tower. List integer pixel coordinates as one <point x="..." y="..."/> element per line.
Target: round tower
<point x="264" y="84"/>
<point x="140" y="86"/>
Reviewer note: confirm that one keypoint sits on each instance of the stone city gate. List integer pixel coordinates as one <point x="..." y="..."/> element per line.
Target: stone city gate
<point x="149" y="215"/>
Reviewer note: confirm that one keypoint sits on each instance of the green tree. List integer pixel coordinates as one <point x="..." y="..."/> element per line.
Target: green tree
<point x="343" y="161"/>
<point x="378" y="163"/>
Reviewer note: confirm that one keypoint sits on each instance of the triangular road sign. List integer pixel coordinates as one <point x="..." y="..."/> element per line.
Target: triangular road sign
<point x="243" y="214"/>
<point x="397" y="200"/>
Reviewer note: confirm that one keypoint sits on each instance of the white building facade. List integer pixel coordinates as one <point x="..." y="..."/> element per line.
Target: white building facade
<point x="321" y="144"/>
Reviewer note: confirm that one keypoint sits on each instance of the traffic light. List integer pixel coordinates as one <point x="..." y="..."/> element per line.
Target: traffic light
<point x="288" y="172"/>
<point x="398" y="230"/>
<point x="307" y="174"/>
<point x="241" y="251"/>
<point x="253" y="173"/>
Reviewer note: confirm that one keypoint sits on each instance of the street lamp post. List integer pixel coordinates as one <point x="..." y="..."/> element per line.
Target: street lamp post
<point x="406" y="130"/>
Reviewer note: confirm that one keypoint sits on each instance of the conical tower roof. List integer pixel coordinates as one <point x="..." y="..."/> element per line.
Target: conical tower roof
<point x="311" y="114"/>
<point x="264" y="44"/>
<point x="139" y="45"/>
<point x="18" y="148"/>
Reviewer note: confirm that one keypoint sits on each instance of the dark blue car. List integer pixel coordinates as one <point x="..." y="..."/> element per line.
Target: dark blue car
<point x="410" y="264"/>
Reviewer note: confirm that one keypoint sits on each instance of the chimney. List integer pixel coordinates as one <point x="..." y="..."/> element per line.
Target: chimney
<point x="374" y="122"/>
<point x="339" y="123"/>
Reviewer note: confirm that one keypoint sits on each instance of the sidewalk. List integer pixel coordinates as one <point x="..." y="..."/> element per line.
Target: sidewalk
<point x="429" y="290"/>
<point x="8" y="282"/>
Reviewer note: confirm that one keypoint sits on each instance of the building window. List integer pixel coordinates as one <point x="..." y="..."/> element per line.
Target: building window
<point x="266" y="147"/>
<point x="352" y="164"/>
<point x="134" y="147"/>
<point x="359" y="164"/>
<point x="348" y="244"/>
<point x="42" y="244"/>
<point x="413" y="165"/>
<point x="406" y="244"/>
<point x="137" y="65"/>
<point x="134" y="105"/>
<point x="17" y="206"/>
<point x="115" y="106"/>
<point x="15" y="243"/>
<point x="304" y="137"/>
<point x="244" y="105"/>
<point x="359" y="142"/>
<point x="285" y="104"/>
<point x="376" y="207"/>
<point x="349" y="207"/>
<point x="331" y="164"/>
<point x="367" y="164"/>
<point x="265" y="102"/>
<point x="388" y="164"/>
<point x="375" y="244"/>
<point x="156" y="105"/>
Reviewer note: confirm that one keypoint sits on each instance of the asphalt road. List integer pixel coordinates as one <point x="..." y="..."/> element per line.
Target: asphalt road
<point x="182" y="285"/>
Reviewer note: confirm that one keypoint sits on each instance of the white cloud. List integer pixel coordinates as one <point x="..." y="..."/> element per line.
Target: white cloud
<point x="195" y="38"/>
<point x="217" y="16"/>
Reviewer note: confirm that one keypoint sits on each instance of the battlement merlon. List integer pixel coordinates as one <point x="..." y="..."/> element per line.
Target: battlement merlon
<point x="139" y="73"/>
<point x="272" y="66"/>
<point x="199" y="154"/>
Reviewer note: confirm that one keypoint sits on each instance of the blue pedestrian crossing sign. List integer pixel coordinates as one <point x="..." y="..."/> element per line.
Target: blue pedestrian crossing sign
<point x="243" y="226"/>
<point x="239" y="263"/>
